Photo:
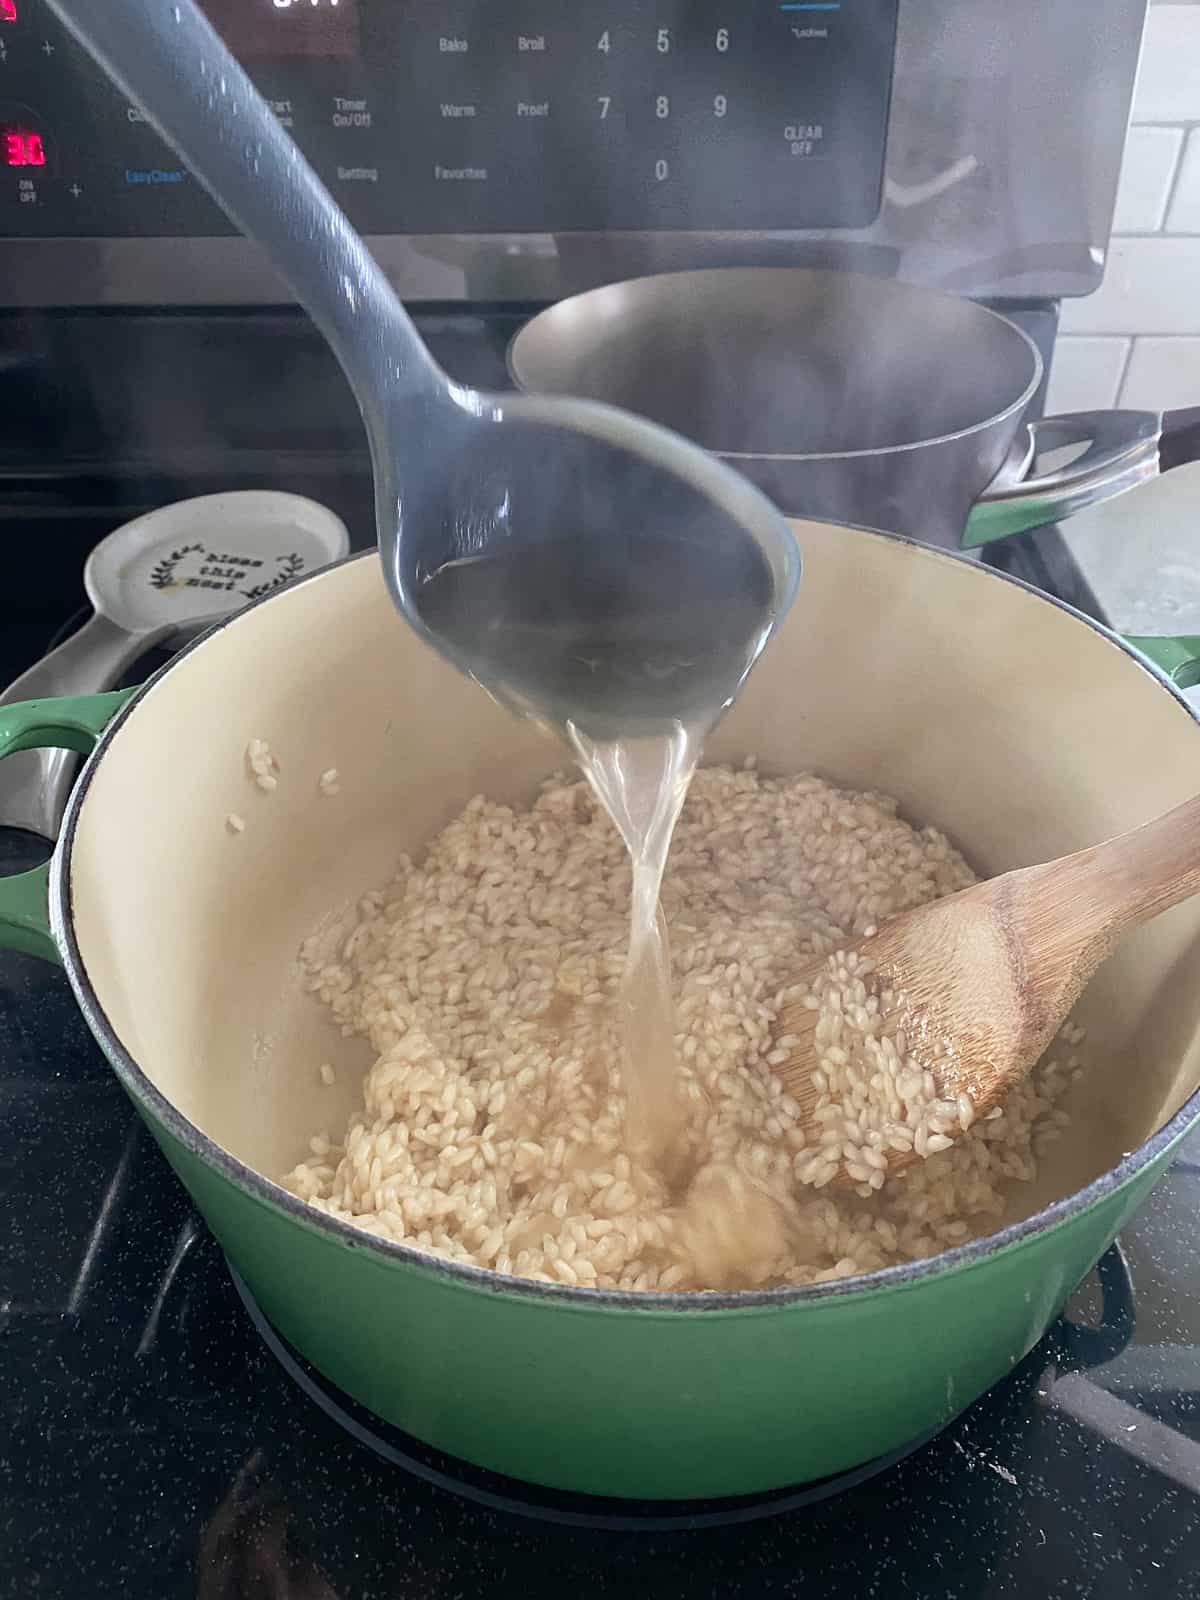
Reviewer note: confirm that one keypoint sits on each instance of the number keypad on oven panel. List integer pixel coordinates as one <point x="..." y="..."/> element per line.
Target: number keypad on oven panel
<point x="642" y="116"/>
<point x="464" y="116"/>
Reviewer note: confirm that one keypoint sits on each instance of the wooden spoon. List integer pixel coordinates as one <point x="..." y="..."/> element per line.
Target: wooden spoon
<point x="974" y="987"/>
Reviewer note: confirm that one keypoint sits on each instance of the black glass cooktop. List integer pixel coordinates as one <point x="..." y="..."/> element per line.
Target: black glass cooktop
<point x="158" y="1442"/>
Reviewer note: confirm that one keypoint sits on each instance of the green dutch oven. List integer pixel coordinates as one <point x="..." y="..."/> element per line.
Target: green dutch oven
<point x="1011" y="722"/>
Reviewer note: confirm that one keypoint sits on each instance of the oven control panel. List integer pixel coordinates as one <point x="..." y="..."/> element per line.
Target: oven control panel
<point x="484" y="116"/>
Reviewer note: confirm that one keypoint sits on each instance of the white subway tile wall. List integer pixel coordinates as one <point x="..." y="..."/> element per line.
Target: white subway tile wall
<point x="1147" y="174"/>
<point x="1184" y="215"/>
<point x="1166" y="86"/>
<point x="1136" y="341"/>
<point x="1087" y="373"/>
<point x="1151" y="285"/>
<point x="1162" y="373"/>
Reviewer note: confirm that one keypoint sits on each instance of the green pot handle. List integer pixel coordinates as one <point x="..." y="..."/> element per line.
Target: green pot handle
<point x="72" y="723"/>
<point x="1178" y="657"/>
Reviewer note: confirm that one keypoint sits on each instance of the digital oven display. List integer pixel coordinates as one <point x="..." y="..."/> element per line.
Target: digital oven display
<point x="266" y="30"/>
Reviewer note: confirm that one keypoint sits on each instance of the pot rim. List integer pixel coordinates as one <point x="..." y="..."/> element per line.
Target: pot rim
<point x="1018" y="405"/>
<point x="150" y="1099"/>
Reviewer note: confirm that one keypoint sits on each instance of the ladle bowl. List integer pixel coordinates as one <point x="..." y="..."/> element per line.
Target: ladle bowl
<point x="461" y="475"/>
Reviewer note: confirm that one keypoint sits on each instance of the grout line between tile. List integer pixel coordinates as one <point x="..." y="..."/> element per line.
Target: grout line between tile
<point x="1126" y="363"/>
<point x="1173" y="189"/>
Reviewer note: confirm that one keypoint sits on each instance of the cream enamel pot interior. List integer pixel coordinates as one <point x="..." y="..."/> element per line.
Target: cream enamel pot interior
<point x="1010" y="722"/>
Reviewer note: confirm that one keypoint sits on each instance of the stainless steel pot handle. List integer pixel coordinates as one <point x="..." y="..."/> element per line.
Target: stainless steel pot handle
<point x="35" y="786"/>
<point x="1122" y="451"/>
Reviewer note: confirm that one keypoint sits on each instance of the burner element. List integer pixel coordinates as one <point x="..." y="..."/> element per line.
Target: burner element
<point x="500" y="1493"/>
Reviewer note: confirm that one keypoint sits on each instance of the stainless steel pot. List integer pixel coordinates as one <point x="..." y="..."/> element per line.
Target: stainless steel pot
<point x="846" y="397"/>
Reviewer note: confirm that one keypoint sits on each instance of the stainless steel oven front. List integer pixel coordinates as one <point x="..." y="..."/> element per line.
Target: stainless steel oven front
<point x="522" y="149"/>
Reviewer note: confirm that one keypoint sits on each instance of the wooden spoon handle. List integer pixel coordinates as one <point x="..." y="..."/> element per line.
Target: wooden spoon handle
<point x="1132" y="878"/>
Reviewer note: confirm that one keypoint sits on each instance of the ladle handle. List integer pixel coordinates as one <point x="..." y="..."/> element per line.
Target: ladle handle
<point x="166" y="56"/>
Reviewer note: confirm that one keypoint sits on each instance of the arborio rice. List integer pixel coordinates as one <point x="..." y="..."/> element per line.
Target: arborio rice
<point x="492" y="1126"/>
